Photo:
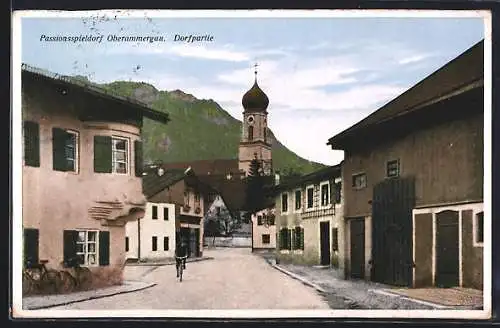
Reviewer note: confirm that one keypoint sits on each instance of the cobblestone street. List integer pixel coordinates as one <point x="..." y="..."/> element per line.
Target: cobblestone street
<point x="234" y="279"/>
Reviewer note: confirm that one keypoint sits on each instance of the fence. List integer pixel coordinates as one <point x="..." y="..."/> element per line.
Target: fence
<point x="228" y="242"/>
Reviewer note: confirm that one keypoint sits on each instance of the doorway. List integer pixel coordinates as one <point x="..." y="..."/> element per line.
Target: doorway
<point x="324" y="228"/>
<point x="447" y="253"/>
<point x="357" y="248"/>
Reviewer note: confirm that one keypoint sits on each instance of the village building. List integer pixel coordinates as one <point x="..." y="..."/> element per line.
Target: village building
<point x="264" y="229"/>
<point x="414" y="182"/>
<point x="174" y="213"/>
<point x="82" y="170"/>
<point x="309" y="216"/>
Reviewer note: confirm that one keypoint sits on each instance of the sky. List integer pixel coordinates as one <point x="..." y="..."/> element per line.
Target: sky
<point x="321" y="75"/>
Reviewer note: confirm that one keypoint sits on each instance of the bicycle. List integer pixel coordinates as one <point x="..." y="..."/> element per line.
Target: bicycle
<point x="38" y="279"/>
<point x="180" y="264"/>
<point x="80" y="280"/>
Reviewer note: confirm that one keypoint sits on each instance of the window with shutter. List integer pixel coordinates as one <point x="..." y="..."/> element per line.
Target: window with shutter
<point x="31" y="242"/>
<point x="259" y="219"/>
<point x="31" y="132"/>
<point x="310" y="197"/>
<point x="120" y="155"/>
<point x="289" y="236"/>
<point x="302" y="238"/>
<point x="103" y="154"/>
<point x="104" y="248"/>
<point x="138" y="158"/>
<point x="64" y="150"/>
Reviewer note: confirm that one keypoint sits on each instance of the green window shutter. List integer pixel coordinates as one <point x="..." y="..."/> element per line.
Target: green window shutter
<point x="59" y="137"/>
<point x="138" y="158"/>
<point x="302" y="238"/>
<point x="31" y="132"/>
<point x="102" y="154"/>
<point x="335" y="240"/>
<point x="31" y="242"/>
<point x="69" y="245"/>
<point x="289" y="233"/>
<point x="103" y="247"/>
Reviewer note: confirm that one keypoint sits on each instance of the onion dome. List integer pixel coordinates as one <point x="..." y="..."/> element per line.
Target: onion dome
<point x="255" y="100"/>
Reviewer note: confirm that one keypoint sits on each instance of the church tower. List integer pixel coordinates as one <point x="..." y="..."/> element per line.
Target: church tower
<point x="255" y="140"/>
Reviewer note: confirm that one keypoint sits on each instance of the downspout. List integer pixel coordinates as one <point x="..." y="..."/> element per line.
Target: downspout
<point x="139" y="240"/>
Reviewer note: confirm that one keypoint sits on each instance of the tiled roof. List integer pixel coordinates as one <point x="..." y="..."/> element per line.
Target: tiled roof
<point x="92" y="88"/>
<point x="464" y="70"/>
<point x="328" y="172"/>
<point x="152" y="183"/>
<point x="207" y="167"/>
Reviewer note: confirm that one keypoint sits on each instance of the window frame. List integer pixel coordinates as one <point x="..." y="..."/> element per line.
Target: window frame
<point x="166" y="239"/>
<point x="166" y="212"/>
<point x="126" y="152"/>
<point x="154" y="208"/>
<point x="310" y="187"/>
<point x="76" y="159"/>
<point x="284" y="195"/>
<point x="328" y="198"/>
<point x="127" y="243"/>
<point x="85" y="251"/>
<point x="268" y="240"/>
<point x="297" y="209"/>
<point x="357" y="175"/>
<point x="398" y="168"/>
<point x="475" y="223"/>
<point x="154" y="244"/>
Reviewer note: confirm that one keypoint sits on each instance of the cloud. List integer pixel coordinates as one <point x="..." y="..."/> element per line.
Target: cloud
<point x="413" y="59"/>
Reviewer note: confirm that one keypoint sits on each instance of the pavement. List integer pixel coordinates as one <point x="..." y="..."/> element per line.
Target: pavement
<point x="361" y="294"/>
<point x="234" y="280"/>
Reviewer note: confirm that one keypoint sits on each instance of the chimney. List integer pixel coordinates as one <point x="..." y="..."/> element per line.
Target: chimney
<point x="277" y="178"/>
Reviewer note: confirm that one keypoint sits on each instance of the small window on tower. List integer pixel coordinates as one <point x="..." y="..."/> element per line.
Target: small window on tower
<point x="250" y="133"/>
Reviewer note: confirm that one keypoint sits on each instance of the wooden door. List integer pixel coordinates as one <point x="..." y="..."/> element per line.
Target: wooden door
<point x="447" y="255"/>
<point x="357" y="243"/>
<point x="324" y="228"/>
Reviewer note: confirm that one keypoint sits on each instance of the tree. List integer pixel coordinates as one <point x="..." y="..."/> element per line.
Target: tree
<point x="255" y="184"/>
<point x="220" y="221"/>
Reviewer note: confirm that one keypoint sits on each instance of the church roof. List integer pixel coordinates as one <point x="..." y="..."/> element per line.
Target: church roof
<point x="207" y="167"/>
<point x="255" y="100"/>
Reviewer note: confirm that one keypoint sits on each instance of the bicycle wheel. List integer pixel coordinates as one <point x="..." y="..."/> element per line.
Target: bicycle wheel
<point x="28" y="284"/>
<point x="84" y="278"/>
<point x="68" y="283"/>
<point x="50" y="281"/>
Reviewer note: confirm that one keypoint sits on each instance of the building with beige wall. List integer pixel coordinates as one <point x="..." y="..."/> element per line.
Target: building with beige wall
<point x="309" y="219"/>
<point x="264" y="229"/>
<point x="82" y="170"/>
<point x="414" y="199"/>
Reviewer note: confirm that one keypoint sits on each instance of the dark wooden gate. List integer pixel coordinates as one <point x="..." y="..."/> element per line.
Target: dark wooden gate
<point x="447" y="263"/>
<point x="357" y="260"/>
<point x="392" y="231"/>
<point x="324" y="228"/>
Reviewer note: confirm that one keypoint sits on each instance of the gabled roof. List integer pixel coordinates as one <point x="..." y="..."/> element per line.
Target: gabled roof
<point x="152" y="183"/>
<point x="98" y="91"/>
<point x="328" y="172"/>
<point x="464" y="72"/>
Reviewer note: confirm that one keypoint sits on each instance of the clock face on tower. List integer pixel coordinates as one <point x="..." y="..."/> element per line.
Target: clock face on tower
<point x="250" y="119"/>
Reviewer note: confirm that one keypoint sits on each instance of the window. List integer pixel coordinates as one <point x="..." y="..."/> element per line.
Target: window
<point x="392" y="169"/>
<point x="325" y="194"/>
<point x="266" y="239"/>
<point x="120" y="155"/>
<point x="338" y="192"/>
<point x="359" y="181"/>
<point x="259" y="220"/>
<point x="86" y="247"/>
<point x="310" y="197"/>
<point x="165" y="213"/>
<point x="90" y="247"/>
<point x="285" y="239"/>
<point x="250" y="133"/>
<point x="31" y="131"/>
<point x="298" y="199"/>
<point x="284" y="202"/>
<point x="64" y="150"/>
<point x="335" y="240"/>
<point x="165" y="243"/>
<point x="111" y="155"/>
<point x="298" y="238"/>
<point x="126" y="244"/>
<point x="154" y="215"/>
<point x="154" y="247"/>
<point x="479" y="228"/>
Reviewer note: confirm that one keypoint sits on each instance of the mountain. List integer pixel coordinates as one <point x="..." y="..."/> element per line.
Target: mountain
<point x="199" y="129"/>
